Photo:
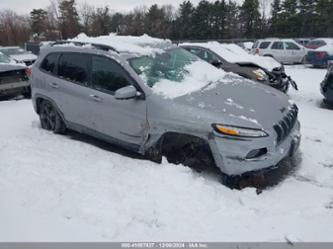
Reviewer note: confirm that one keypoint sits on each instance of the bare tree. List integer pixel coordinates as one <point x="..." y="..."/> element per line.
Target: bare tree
<point x="86" y="13"/>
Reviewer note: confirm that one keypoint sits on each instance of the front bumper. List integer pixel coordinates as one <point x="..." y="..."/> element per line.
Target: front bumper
<point x="230" y="154"/>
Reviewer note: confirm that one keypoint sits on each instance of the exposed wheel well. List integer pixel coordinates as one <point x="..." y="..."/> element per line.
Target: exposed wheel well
<point x="38" y="102"/>
<point x="186" y="149"/>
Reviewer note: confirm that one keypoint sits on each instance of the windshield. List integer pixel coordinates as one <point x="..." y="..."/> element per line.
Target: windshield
<point x="169" y="66"/>
<point x="4" y="58"/>
<point x="175" y="72"/>
<point x="13" y="51"/>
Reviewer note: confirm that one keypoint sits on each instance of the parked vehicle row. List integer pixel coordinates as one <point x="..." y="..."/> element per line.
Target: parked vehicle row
<point x="160" y="100"/>
<point x="232" y="58"/>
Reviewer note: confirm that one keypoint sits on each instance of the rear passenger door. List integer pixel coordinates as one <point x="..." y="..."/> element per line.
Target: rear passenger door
<point x="278" y="51"/>
<point x="72" y="87"/>
<point x="294" y="52"/>
<point x="124" y="120"/>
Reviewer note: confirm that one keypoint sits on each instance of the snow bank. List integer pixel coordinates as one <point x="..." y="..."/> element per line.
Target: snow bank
<point x="197" y="75"/>
<point x="235" y="54"/>
<point x="142" y="45"/>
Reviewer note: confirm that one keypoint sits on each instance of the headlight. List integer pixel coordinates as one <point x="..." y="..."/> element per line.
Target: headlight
<point x="260" y="75"/>
<point x="239" y="131"/>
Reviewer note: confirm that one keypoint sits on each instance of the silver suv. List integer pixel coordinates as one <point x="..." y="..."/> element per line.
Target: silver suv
<point x="239" y="125"/>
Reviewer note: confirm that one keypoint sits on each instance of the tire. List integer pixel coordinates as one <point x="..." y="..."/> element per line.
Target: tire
<point x="27" y="93"/>
<point x="50" y="118"/>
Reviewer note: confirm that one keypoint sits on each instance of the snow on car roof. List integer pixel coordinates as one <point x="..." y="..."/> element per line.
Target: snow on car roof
<point x="235" y="54"/>
<point x="142" y="45"/>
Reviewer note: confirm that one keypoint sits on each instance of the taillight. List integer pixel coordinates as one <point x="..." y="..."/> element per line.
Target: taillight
<point x="321" y="55"/>
<point x="28" y="71"/>
<point x="257" y="50"/>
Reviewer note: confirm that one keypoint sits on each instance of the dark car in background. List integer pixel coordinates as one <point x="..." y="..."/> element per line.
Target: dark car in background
<point x="13" y="78"/>
<point x="232" y="58"/>
<point x="327" y="86"/>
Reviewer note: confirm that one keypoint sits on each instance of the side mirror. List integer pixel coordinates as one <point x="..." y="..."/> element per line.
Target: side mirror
<point x="127" y="92"/>
<point x="216" y="63"/>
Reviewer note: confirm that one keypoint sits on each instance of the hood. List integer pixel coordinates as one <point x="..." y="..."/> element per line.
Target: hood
<point x="10" y="67"/>
<point x="24" y="57"/>
<point x="242" y="103"/>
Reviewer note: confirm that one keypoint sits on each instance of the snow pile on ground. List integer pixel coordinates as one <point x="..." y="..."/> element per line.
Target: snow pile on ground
<point x="74" y="188"/>
<point x="142" y="45"/>
<point x="235" y="54"/>
<point x="197" y="75"/>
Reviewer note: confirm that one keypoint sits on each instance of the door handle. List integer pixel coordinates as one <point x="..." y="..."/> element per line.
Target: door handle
<point x="54" y="85"/>
<point x="95" y="97"/>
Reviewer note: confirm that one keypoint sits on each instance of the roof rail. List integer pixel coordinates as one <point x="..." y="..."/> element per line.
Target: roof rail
<point x="77" y="43"/>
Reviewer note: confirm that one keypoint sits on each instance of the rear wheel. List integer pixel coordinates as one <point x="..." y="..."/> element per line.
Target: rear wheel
<point x="50" y="118"/>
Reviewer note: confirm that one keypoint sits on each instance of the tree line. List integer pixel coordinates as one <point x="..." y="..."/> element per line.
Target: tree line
<point x="219" y="19"/>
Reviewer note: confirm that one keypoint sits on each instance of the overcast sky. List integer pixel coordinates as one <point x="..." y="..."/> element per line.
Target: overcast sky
<point x="25" y="6"/>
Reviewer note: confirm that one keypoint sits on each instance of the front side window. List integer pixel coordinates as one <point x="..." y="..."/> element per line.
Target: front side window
<point x="277" y="45"/>
<point x="74" y="67"/>
<point x="108" y="75"/>
<point x="291" y="46"/>
<point x="49" y="63"/>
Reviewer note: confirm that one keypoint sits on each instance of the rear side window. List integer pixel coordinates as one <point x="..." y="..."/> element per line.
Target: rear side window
<point x="291" y="46"/>
<point x="74" y="67"/>
<point x="108" y="75"/>
<point x="49" y="63"/>
<point x="277" y="45"/>
<point x="264" y="45"/>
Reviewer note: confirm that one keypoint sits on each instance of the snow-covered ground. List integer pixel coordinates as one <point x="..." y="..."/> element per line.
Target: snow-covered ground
<point x="72" y="188"/>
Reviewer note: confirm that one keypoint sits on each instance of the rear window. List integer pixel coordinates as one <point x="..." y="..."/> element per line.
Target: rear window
<point x="264" y="45"/>
<point x="74" y="67"/>
<point x="316" y="44"/>
<point x="49" y="63"/>
<point x="277" y="45"/>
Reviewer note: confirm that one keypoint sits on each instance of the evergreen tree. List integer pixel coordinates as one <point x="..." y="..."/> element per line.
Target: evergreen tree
<point x="250" y="18"/>
<point x="275" y="18"/>
<point x="68" y="19"/>
<point x="184" y="23"/>
<point x="38" y="19"/>
<point x="308" y="17"/>
<point x="289" y="19"/>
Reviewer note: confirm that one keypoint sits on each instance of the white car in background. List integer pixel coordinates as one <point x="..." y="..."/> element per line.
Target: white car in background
<point x="286" y="51"/>
<point x="20" y="55"/>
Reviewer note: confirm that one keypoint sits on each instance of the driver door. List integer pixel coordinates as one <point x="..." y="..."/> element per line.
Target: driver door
<point x="124" y="120"/>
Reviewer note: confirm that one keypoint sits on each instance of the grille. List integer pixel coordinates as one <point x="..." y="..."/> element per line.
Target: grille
<point x="284" y="127"/>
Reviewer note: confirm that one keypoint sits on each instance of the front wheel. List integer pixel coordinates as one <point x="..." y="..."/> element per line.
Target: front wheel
<point x="50" y="119"/>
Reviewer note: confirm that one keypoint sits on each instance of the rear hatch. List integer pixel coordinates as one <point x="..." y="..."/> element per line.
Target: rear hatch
<point x="12" y="74"/>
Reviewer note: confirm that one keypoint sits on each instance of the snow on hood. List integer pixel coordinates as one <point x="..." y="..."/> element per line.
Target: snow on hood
<point x="142" y="45"/>
<point x="23" y="57"/>
<point x="327" y="48"/>
<point x="198" y="75"/>
<point x="235" y="54"/>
